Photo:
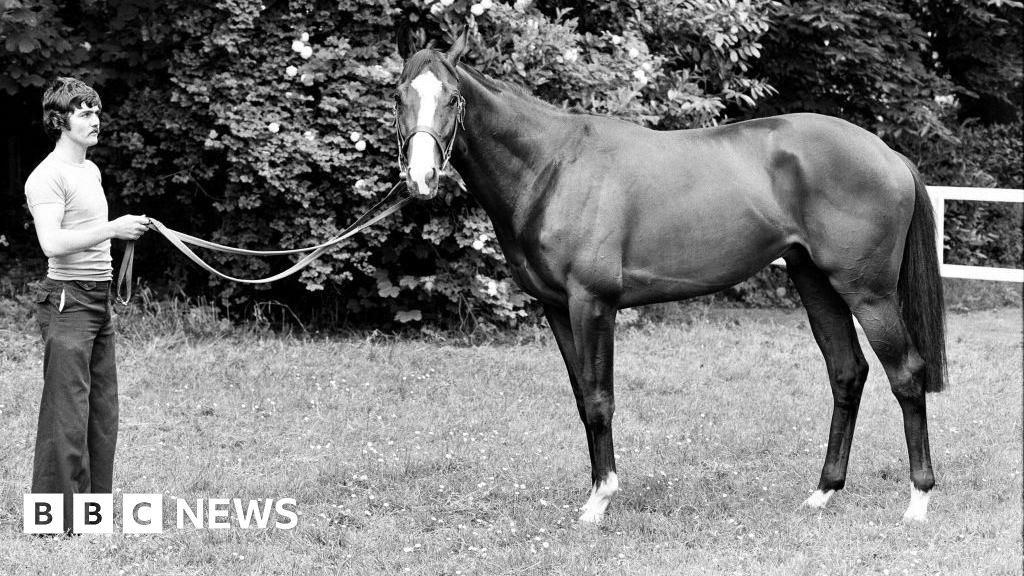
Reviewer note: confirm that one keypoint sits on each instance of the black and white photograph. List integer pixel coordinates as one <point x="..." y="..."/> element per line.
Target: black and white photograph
<point x="511" y="287"/>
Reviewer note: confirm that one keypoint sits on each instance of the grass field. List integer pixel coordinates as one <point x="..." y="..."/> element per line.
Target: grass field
<point x="427" y="457"/>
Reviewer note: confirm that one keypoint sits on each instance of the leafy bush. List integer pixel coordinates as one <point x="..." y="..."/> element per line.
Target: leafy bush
<point x="263" y="124"/>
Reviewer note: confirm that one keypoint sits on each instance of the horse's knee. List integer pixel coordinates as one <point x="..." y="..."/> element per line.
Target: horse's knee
<point x="848" y="383"/>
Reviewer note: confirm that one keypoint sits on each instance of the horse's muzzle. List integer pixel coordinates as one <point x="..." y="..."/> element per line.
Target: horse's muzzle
<point x="426" y="189"/>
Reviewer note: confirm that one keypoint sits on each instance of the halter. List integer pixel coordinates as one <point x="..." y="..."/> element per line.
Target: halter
<point x="460" y="113"/>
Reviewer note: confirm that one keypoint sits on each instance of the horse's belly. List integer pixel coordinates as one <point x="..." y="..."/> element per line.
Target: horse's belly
<point x="694" y="265"/>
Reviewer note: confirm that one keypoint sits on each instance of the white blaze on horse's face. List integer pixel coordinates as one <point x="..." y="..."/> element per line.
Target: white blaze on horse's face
<point x="424" y="155"/>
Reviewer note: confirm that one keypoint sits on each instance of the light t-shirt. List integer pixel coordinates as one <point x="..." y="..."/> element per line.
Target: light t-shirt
<point x="79" y="189"/>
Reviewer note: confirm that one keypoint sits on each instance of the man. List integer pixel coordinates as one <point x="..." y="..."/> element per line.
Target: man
<point x="78" y="413"/>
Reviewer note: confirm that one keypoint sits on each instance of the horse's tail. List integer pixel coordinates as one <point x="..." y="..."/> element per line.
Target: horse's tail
<point x="920" y="288"/>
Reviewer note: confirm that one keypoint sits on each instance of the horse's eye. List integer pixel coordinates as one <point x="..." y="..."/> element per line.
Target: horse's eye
<point x="453" y="100"/>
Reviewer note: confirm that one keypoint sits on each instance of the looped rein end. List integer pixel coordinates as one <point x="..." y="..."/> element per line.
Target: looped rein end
<point x="179" y="240"/>
<point x="124" y="276"/>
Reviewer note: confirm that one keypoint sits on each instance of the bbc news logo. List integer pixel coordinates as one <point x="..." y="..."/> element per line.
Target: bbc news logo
<point x="144" y="513"/>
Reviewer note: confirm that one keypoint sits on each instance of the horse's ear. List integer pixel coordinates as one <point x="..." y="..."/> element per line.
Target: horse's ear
<point x="406" y="39"/>
<point x="459" y="47"/>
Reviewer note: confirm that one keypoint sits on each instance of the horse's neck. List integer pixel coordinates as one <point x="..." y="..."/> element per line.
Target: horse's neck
<point x="504" y="147"/>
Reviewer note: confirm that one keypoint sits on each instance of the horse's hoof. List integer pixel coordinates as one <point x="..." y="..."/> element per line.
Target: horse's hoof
<point x="591" y="518"/>
<point x="918" y="509"/>
<point x="915" y="517"/>
<point x="819" y="499"/>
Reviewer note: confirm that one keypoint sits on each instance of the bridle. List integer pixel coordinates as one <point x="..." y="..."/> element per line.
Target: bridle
<point x="403" y="141"/>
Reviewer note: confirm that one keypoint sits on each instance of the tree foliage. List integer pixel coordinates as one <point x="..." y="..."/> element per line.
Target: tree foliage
<point x="978" y="43"/>
<point x="262" y="123"/>
<point x="861" y="61"/>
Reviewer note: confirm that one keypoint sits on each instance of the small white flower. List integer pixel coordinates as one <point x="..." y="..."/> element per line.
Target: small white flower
<point x="361" y="145"/>
<point x="522" y="5"/>
<point x="447" y="3"/>
<point x="634" y="52"/>
<point x="291" y="71"/>
<point x="492" y="288"/>
<point x="213" y="134"/>
<point x="355" y="136"/>
<point x="437" y="9"/>
<point x="571" y="55"/>
<point x="478" y="245"/>
<point x="307" y="51"/>
<point x="305" y="37"/>
<point x="616" y="39"/>
<point x="478" y="9"/>
<point x="274" y="127"/>
<point x="309" y="135"/>
<point x="640" y="75"/>
<point x="487" y="4"/>
<point x="298" y="45"/>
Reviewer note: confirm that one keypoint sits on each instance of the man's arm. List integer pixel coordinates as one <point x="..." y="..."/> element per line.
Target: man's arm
<point x="57" y="242"/>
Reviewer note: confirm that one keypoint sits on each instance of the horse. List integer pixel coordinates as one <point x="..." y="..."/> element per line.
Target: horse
<point x="595" y="214"/>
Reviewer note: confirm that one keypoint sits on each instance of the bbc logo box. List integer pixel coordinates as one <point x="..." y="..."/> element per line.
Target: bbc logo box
<point x="93" y="513"/>
<point x="43" y="513"/>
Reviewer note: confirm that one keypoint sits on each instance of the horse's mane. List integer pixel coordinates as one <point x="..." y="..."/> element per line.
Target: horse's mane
<point x="501" y="86"/>
<point x="424" y="58"/>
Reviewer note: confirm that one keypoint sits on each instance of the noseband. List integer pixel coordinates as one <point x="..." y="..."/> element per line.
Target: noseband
<point x="403" y="142"/>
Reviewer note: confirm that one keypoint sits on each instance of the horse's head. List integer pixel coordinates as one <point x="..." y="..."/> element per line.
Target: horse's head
<point x="428" y="113"/>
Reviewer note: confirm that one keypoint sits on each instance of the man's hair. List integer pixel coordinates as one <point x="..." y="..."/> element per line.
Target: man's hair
<point x="62" y="97"/>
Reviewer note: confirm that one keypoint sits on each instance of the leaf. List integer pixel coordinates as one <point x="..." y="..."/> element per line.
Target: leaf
<point x="405" y="316"/>
<point x="27" y="44"/>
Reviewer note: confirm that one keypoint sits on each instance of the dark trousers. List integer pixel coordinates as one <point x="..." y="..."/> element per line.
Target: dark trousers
<point x="78" y="413"/>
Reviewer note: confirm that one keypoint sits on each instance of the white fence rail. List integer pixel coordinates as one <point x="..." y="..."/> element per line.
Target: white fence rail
<point x="939" y="195"/>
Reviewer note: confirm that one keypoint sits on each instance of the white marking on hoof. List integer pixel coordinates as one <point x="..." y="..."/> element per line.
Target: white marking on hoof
<point x="600" y="496"/>
<point x="819" y="499"/>
<point x="918" y="509"/>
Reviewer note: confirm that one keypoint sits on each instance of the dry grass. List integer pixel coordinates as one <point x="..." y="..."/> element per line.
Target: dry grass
<point x="421" y="457"/>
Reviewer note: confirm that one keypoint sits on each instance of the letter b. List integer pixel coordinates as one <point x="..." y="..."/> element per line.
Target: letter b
<point x="43" y="513"/>
<point x="93" y="513"/>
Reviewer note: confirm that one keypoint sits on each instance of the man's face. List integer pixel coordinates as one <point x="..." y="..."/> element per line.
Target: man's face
<point x="84" y="125"/>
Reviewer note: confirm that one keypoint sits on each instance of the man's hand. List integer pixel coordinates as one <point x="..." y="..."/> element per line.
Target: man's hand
<point x="57" y="242"/>
<point x="128" y="227"/>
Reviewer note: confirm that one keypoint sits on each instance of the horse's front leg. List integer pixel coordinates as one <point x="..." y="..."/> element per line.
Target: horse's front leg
<point x="593" y="329"/>
<point x="561" y="326"/>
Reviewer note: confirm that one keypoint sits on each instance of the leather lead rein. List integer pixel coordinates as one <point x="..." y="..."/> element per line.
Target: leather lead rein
<point x="179" y="240"/>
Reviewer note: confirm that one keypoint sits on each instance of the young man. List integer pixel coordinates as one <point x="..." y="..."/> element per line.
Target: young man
<point x="78" y="413"/>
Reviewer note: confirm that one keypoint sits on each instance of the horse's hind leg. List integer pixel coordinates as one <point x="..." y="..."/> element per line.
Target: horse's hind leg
<point x="883" y="325"/>
<point x="833" y="329"/>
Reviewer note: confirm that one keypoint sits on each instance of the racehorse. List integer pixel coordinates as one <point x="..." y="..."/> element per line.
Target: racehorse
<point x="596" y="214"/>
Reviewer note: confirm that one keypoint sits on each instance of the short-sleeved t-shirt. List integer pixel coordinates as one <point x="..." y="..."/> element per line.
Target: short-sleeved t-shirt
<point x="79" y="189"/>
